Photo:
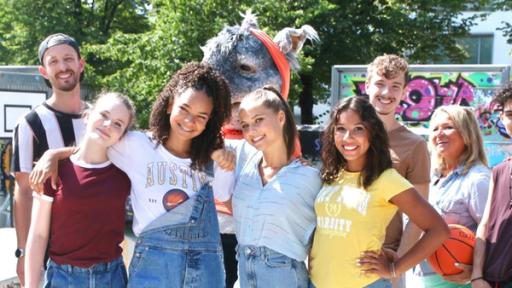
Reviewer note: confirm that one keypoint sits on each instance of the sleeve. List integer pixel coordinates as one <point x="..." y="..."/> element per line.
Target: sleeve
<point x="223" y="183"/>
<point x="313" y="184"/>
<point x="418" y="171"/>
<point x="244" y="151"/>
<point x="392" y="183"/>
<point x="123" y="153"/>
<point x="22" y="148"/>
<point x="478" y="192"/>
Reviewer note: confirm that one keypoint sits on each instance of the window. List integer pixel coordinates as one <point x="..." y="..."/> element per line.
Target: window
<point x="479" y="48"/>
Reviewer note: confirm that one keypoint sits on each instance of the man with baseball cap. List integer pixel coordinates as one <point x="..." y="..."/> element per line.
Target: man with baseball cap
<point x="53" y="124"/>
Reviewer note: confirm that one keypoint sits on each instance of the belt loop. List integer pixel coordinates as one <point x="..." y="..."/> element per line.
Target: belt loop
<point x="265" y="252"/>
<point x="67" y="268"/>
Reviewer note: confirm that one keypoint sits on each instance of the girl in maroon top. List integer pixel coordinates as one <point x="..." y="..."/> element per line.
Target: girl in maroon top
<point x="81" y="221"/>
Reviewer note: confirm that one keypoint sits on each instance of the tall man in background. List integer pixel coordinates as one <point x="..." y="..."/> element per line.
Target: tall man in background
<point x="53" y="124"/>
<point x="385" y="86"/>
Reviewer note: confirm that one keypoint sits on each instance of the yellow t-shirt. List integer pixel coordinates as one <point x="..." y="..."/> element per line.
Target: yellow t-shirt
<point x="351" y="220"/>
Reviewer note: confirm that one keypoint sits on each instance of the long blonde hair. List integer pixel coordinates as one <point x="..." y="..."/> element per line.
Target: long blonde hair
<point x="465" y="123"/>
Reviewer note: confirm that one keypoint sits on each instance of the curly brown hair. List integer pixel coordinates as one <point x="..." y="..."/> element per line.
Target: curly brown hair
<point x="200" y="77"/>
<point x="503" y="96"/>
<point x="389" y="66"/>
<point x="378" y="157"/>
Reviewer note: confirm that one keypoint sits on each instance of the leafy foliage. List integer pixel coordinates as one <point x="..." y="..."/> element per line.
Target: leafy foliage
<point x="133" y="46"/>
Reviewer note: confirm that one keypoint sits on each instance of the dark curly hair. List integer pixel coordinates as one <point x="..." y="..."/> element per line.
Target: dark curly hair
<point x="378" y="157"/>
<point x="200" y="77"/>
<point x="503" y="95"/>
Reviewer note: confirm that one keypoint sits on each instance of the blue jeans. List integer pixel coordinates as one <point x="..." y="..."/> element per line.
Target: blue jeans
<point x="111" y="274"/>
<point x="181" y="248"/>
<point x="264" y="267"/>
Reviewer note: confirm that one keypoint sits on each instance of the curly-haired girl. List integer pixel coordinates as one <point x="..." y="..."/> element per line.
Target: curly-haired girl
<point x="361" y="193"/>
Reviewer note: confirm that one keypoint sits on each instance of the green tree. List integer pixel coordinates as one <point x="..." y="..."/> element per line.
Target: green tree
<point x="139" y="64"/>
<point x="24" y="23"/>
<point x="352" y="32"/>
<point x="133" y="46"/>
<point x="504" y="5"/>
<point x="355" y="32"/>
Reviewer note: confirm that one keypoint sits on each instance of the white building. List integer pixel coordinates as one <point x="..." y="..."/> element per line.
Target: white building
<point x="487" y="45"/>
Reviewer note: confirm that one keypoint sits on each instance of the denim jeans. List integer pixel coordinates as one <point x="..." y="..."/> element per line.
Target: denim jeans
<point x="111" y="274"/>
<point x="181" y="248"/>
<point x="264" y="267"/>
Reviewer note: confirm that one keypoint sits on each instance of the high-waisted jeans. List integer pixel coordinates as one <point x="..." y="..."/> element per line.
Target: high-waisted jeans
<point x="111" y="274"/>
<point x="263" y="267"/>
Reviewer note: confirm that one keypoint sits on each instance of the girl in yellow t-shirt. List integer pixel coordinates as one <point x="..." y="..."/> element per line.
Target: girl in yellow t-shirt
<point x="360" y="195"/>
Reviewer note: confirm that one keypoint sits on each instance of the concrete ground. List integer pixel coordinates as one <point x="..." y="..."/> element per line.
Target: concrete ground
<point x="8" y="276"/>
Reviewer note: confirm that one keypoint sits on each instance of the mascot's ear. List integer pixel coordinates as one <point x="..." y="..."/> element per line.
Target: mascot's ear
<point x="291" y="40"/>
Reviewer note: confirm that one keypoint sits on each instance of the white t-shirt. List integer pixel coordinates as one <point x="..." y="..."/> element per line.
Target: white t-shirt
<point x="226" y="221"/>
<point x="160" y="180"/>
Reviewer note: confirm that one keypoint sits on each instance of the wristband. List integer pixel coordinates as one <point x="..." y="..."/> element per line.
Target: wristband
<point x="477" y="278"/>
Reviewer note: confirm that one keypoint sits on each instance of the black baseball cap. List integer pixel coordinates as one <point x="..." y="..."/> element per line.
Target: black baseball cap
<point x="54" y="40"/>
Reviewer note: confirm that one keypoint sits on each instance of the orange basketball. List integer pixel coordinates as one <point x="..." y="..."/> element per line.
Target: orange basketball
<point x="456" y="249"/>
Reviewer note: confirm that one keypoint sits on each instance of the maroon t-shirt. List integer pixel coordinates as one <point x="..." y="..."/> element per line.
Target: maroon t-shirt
<point x="498" y="244"/>
<point x="88" y="214"/>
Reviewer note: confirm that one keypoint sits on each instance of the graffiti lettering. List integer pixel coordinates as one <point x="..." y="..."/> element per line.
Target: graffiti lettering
<point x="424" y="95"/>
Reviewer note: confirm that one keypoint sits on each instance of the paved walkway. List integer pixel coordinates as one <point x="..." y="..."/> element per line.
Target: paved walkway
<point x="8" y="263"/>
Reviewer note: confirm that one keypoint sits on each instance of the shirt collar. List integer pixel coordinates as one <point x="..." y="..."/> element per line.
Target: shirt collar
<point x="457" y="172"/>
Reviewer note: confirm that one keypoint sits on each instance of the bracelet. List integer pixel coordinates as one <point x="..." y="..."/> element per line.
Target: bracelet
<point x="392" y="269"/>
<point x="477" y="278"/>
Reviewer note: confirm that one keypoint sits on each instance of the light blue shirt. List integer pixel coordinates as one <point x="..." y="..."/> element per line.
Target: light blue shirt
<point x="279" y="215"/>
<point x="459" y="199"/>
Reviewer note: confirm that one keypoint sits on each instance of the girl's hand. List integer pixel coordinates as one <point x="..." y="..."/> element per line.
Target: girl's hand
<point x="463" y="277"/>
<point x="226" y="159"/>
<point x="46" y="167"/>
<point x="390" y="254"/>
<point x="372" y="262"/>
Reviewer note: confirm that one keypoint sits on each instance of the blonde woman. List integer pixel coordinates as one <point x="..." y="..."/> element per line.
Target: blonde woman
<point x="460" y="180"/>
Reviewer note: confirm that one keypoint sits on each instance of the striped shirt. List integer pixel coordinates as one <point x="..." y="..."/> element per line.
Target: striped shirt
<point x="41" y="129"/>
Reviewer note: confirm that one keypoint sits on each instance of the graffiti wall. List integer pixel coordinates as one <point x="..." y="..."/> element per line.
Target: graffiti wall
<point x="426" y="91"/>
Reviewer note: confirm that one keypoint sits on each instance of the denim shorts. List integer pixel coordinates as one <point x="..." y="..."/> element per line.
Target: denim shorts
<point x="111" y="274"/>
<point x="263" y="267"/>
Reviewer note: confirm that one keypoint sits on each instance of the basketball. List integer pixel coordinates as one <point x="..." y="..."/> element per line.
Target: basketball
<point x="456" y="249"/>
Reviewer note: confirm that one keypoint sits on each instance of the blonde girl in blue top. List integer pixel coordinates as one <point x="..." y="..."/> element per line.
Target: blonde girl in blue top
<point x="273" y="197"/>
